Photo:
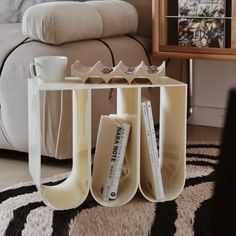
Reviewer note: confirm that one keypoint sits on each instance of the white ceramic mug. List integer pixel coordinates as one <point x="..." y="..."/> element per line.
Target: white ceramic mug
<point x="49" y="68"/>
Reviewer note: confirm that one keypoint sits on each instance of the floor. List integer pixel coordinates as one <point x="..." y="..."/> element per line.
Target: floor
<point x="14" y="165"/>
<point x="203" y="133"/>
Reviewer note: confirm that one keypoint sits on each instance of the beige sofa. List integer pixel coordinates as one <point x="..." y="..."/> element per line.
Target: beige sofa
<point x="17" y="52"/>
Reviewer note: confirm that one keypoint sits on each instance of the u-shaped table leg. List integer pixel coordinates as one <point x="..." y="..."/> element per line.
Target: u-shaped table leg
<point x="74" y="190"/>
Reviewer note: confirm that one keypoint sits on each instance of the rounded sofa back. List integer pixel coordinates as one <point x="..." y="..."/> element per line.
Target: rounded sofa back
<point x="12" y="12"/>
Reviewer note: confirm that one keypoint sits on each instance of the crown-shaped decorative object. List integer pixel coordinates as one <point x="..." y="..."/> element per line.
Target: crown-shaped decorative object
<point x="141" y="74"/>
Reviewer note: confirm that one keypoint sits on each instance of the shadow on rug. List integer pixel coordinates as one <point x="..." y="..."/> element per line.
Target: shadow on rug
<point x="23" y="213"/>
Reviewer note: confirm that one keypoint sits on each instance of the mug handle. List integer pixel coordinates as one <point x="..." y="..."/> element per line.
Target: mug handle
<point x="32" y="69"/>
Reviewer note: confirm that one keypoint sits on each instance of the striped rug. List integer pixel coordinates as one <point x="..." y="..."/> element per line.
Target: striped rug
<point x="23" y="213"/>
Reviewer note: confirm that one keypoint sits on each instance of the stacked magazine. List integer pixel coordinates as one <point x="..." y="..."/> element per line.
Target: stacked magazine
<point x="151" y="179"/>
<point x="201" y="23"/>
<point x="113" y="135"/>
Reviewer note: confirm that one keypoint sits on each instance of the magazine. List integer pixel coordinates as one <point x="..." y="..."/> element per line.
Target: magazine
<point x="200" y="23"/>
<point x="205" y="8"/>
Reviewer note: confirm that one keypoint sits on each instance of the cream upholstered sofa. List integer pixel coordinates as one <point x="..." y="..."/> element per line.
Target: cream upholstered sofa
<point x="17" y="50"/>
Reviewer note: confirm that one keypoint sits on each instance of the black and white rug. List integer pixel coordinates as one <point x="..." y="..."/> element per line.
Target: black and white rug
<point x="23" y="213"/>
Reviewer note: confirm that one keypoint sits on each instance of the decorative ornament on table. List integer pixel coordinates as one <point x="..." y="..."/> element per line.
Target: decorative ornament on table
<point x="141" y="74"/>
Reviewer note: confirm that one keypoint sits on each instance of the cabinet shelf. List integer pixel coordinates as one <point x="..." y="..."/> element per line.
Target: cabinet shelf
<point x="163" y="48"/>
<point x="200" y="17"/>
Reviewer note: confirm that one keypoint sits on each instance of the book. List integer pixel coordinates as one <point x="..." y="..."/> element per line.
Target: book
<point x="151" y="175"/>
<point x="112" y="140"/>
<point x="201" y="23"/>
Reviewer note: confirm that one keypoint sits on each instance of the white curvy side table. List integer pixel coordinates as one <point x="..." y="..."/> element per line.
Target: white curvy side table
<point x="172" y="141"/>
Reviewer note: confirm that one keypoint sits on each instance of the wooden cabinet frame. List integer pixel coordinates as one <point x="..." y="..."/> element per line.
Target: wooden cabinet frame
<point x="161" y="49"/>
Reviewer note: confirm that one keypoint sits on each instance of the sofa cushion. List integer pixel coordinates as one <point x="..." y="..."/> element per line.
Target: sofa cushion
<point x="11" y="11"/>
<point x="60" y="22"/>
<point x="144" y="9"/>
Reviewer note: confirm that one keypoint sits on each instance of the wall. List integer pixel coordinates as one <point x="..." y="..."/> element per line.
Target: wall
<point x="211" y="83"/>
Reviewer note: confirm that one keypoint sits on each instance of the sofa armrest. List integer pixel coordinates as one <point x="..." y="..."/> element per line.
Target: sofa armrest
<point x="144" y="9"/>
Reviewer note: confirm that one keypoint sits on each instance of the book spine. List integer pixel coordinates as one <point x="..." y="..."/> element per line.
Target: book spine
<point x="117" y="159"/>
<point x="155" y="158"/>
<point x="147" y="130"/>
<point x="152" y="132"/>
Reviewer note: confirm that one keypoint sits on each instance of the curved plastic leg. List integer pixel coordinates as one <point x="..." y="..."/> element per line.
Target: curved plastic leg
<point x="74" y="190"/>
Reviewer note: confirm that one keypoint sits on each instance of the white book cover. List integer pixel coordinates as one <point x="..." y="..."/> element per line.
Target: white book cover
<point x="118" y="136"/>
<point x="117" y="160"/>
<point x="156" y="161"/>
<point x="149" y="154"/>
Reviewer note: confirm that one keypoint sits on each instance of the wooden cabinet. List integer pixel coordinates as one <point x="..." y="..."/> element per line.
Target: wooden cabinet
<point x="162" y="46"/>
